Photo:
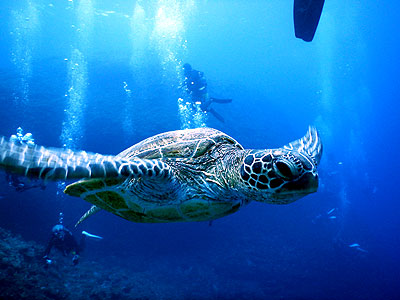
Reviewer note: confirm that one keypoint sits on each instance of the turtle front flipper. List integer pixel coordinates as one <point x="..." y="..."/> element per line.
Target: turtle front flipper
<point x="61" y="164"/>
<point x="310" y="145"/>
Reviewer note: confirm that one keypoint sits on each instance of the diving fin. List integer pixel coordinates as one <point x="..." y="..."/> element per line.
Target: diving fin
<point x="216" y="100"/>
<point x="91" y="235"/>
<point x="306" y="15"/>
<point x="216" y="115"/>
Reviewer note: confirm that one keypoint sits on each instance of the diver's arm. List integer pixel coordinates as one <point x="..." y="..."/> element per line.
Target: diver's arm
<point x="48" y="248"/>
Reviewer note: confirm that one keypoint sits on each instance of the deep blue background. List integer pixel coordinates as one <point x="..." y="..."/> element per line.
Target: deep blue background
<point x="346" y="82"/>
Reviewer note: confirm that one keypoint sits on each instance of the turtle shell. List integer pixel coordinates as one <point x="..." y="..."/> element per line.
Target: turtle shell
<point x="187" y="143"/>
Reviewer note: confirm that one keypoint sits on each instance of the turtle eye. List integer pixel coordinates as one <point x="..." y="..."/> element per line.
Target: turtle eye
<point x="284" y="169"/>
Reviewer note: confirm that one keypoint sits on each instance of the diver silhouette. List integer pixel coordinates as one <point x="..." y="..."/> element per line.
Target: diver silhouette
<point x="196" y="85"/>
<point x="63" y="240"/>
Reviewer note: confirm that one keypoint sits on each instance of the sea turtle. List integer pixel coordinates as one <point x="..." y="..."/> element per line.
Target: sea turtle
<point x="184" y="175"/>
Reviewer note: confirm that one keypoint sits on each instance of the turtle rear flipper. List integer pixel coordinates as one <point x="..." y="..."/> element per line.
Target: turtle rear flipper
<point x="94" y="209"/>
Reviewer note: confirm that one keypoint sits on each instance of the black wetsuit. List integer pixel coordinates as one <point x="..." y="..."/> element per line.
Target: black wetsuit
<point x="66" y="245"/>
<point x="197" y="85"/>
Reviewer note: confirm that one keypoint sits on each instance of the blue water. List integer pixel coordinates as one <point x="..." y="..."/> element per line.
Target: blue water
<point x="103" y="75"/>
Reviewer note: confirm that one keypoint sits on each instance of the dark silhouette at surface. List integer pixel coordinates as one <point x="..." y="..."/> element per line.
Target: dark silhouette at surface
<point x="196" y="85"/>
<point x="63" y="240"/>
<point x="20" y="184"/>
<point x="306" y="15"/>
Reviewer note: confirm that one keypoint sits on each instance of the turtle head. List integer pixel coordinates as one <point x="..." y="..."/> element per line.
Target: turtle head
<point x="283" y="175"/>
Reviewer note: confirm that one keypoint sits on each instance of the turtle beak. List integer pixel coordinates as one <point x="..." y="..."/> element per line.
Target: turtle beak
<point x="294" y="190"/>
<point x="307" y="184"/>
<point x="310" y="145"/>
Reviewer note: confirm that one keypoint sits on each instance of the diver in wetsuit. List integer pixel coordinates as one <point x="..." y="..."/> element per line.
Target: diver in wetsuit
<point x="196" y="85"/>
<point x="64" y="241"/>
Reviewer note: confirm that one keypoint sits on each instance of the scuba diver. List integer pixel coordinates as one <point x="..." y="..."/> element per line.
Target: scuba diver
<point x="63" y="240"/>
<point x="306" y="15"/>
<point x="14" y="180"/>
<point x="196" y="86"/>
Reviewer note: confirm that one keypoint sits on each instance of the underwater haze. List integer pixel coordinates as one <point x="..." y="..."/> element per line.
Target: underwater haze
<point x="101" y="76"/>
